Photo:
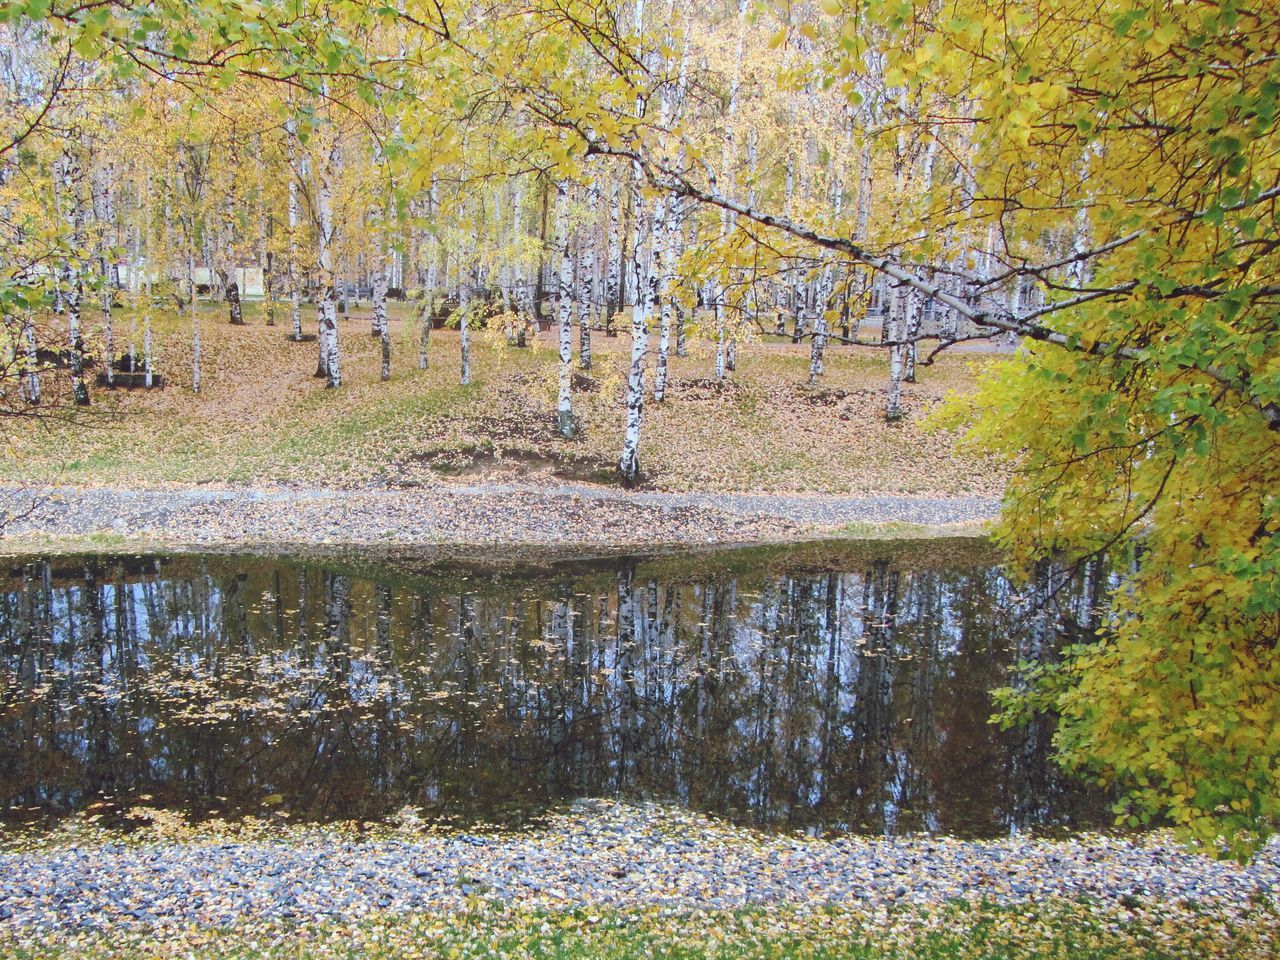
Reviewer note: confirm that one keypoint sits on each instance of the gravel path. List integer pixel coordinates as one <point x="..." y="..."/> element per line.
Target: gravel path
<point x="488" y="514"/>
<point x="600" y="853"/>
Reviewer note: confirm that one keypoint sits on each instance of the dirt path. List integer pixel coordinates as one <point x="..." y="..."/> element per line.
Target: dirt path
<point x="485" y="514"/>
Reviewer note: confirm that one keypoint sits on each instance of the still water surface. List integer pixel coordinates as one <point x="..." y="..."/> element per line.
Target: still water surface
<point x="821" y="688"/>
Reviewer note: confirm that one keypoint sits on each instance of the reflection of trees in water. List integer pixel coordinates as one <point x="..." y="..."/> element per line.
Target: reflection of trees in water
<point x="837" y="698"/>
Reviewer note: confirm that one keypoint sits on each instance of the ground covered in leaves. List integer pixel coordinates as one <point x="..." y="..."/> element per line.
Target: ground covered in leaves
<point x="612" y="880"/>
<point x="262" y="419"/>
<point x="492" y="514"/>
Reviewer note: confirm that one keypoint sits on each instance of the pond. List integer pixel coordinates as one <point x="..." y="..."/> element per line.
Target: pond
<point x="819" y="687"/>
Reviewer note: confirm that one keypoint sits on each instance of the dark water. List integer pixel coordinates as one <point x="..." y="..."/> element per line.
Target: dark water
<point x="824" y="688"/>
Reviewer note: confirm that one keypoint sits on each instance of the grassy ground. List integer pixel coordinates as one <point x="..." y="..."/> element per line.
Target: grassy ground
<point x="263" y="419"/>
<point x="1047" y="931"/>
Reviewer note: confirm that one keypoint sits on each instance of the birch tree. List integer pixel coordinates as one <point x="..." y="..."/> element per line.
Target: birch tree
<point x="564" y="292"/>
<point x="327" y="173"/>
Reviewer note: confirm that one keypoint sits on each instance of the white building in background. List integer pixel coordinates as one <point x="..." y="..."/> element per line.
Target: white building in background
<point x="249" y="279"/>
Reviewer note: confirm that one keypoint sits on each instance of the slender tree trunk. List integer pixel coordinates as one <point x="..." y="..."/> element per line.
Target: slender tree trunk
<point x="148" y="375"/>
<point x="227" y="269"/>
<point x="894" y="326"/>
<point x="329" y="366"/>
<point x="717" y="309"/>
<point x="539" y="290"/>
<point x="464" y="335"/>
<point x="295" y="297"/>
<point x="560" y="242"/>
<point x="425" y="309"/>
<point x="108" y="329"/>
<point x="818" y="347"/>
<point x="195" y="317"/>
<point x="265" y="256"/>
<point x="629" y="463"/>
<point x="613" y="265"/>
<point x="915" y="317"/>
<point x="682" y="342"/>
<point x="585" y="295"/>
<point x="667" y="303"/>
<point x="71" y="176"/>
<point x="32" y="361"/>
<point x="381" y="328"/>
<point x="104" y="214"/>
<point x="384" y="328"/>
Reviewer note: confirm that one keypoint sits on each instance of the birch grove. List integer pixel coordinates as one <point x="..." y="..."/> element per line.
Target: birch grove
<point x="338" y="207"/>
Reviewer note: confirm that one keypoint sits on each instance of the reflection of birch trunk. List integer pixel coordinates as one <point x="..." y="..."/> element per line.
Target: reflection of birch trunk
<point x="873" y="691"/>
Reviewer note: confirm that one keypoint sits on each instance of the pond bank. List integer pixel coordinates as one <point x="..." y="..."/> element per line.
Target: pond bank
<point x="485" y="514"/>
<point x="598" y="854"/>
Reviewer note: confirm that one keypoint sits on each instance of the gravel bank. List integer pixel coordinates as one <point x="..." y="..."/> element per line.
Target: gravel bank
<point x="600" y="853"/>
<point x="490" y="514"/>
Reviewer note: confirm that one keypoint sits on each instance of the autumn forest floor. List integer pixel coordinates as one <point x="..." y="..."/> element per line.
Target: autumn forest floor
<point x="263" y="423"/>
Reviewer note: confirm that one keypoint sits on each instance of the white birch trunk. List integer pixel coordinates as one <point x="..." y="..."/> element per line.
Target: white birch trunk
<point x="915" y="316"/>
<point x="32" y="364"/>
<point x="381" y="280"/>
<point x="895" y="308"/>
<point x="819" y="345"/>
<point x="585" y="294"/>
<point x="149" y="376"/>
<point x="266" y="259"/>
<point x="464" y="335"/>
<point x="671" y="228"/>
<point x="195" y="320"/>
<point x="70" y="175"/>
<point x="227" y="268"/>
<point x="560" y="241"/>
<point x="629" y="463"/>
<point x="613" y="291"/>
<point x="295" y="297"/>
<point x="425" y="310"/>
<point x="103" y="213"/>
<point x="329" y="366"/>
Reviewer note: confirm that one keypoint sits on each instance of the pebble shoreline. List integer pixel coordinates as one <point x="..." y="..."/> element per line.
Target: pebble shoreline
<point x="599" y="853"/>
<point x="486" y="515"/>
